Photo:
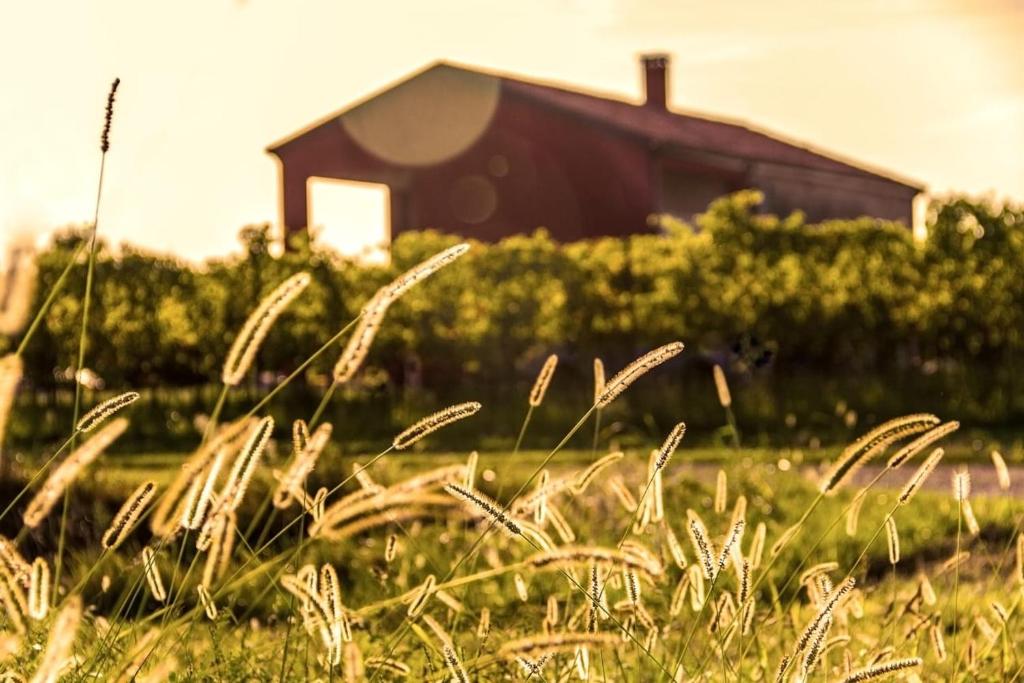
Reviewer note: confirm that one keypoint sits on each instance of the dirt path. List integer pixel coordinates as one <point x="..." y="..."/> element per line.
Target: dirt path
<point x="983" y="477"/>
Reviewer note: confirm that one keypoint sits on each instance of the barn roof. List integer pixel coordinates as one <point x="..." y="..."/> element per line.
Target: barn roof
<point x="660" y="127"/>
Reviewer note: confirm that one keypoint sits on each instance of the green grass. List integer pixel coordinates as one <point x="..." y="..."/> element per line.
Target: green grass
<point x="246" y="640"/>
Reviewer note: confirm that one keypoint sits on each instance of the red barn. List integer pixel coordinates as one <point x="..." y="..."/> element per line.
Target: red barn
<point x="488" y="156"/>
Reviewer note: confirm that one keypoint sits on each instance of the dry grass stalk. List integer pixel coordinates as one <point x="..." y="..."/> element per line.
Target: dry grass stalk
<point x="1002" y="472"/>
<point x="391" y="548"/>
<point x="303" y="463"/>
<point x="873" y="443"/>
<point x="543" y="381"/>
<point x="521" y="589"/>
<point x="722" y="387"/>
<point x="247" y="343"/>
<point x="675" y="548"/>
<point x="892" y="537"/>
<point x="721" y="492"/>
<point x="756" y="550"/>
<point x="15" y="604"/>
<point x="423" y="593"/>
<point x="169" y="510"/>
<point x="17" y="287"/>
<point x="433" y="422"/>
<point x="579" y="484"/>
<point x="128" y="516"/>
<point x="669" y="446"/>
<point x="392" y="666"/>
<point x="469" y="481"/>
<point x="39" y="590"/>
<point x="881" y="670"/>
<point x="108" y="116"/>
<point x="451" y="657"/>
<point x="1019" y="557"/>
<point x="12" y="564"/>
<point x="920" y="443"/>
<point x="11" y="369"/>
<point x="245" y="465"/>
<point x="65" y="473"/>
<point x="206" y="600"/>
<point x="632" y="372"/>
<point x="488" y="508"/>
<point x="560" y="524"/>
<point x="599" y="379"/>
<point x="922" y="473"/>
<point x="538" y="645"/>
<point x="961" y="482"/>
<point x="358" y="346"/>
<point x="59" y="644"/>
<point x="101" y="412"/>
<point x="732" y="542"/>
<point x="483" y="628"/>
<point x="701" y="543"/>
<point x="152" y="572"/>
<point x="938" y="642"/>
<point x="200" y="494"/>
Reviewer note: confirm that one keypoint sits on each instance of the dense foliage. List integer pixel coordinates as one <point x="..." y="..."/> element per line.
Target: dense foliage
<point x="801" y="315"/>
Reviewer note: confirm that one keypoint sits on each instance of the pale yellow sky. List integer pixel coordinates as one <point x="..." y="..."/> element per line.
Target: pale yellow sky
<point x="930" y="89"/>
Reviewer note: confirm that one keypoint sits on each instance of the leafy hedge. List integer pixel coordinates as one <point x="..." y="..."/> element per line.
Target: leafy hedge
<point x="801" y="315"/>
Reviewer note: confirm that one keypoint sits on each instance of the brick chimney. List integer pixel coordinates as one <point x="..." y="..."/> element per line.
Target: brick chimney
<point x="655" y="80"/>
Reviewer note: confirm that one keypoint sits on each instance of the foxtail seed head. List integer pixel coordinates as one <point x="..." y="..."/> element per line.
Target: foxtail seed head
<point x="97" y="415"/>
<point x="599" y="379"/>
<point x="883" y="669"/>
<point x="701" y="544"/>
<point x="543" y="381"/>
<point x="722" y="387"/>
<point x="11" y="369"/>
<point x="423" y="594"/>
<point x="873" y="443"/>
<point x="152" y="572"/>
<point x="39" y="590"/>
<point x="922" y="473"/>
<point x="68" y="471"/>
<point x="961" y="485"/>
<point x="433" y="422"/>
<point x="892" y="536"/>
<point x="1002" y="473"/>
<point x="108" y="116"/>
<point x="632" y="372"/>
<point x="920" y="443"/>
<point x="245" y="464"/>
<point x="488" y="507"/>
<point x="60" y="642"/>
<point x="669" y="446"/>
<point x="358" y="346"/>
<point x="200" y="493"/>
<point x="422" y="271"/>
<point x="256" y="327"/>
<point x="128" y="516"/>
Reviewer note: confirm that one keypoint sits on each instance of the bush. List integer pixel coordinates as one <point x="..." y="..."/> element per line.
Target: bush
<point x="802" y="316"/>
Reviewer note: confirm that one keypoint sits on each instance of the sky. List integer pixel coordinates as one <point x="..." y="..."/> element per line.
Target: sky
<point x="932" y="90"/>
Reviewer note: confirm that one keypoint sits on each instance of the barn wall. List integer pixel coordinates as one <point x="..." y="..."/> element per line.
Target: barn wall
<point x="538" y="167"/>
<point x="822" y="195"/>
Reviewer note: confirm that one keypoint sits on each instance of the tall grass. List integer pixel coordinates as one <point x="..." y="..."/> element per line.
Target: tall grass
<point x="394" y="570"/>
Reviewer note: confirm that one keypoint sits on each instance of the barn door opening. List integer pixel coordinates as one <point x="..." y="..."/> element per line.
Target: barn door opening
<point x="350" y="216"/>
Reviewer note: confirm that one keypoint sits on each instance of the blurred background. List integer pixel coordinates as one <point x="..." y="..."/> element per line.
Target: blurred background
<point x="824" y="199"/>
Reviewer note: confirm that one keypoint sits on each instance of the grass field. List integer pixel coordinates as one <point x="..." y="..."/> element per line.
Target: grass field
<point x="258" y="632"/>
<point x="257" y="558"/>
